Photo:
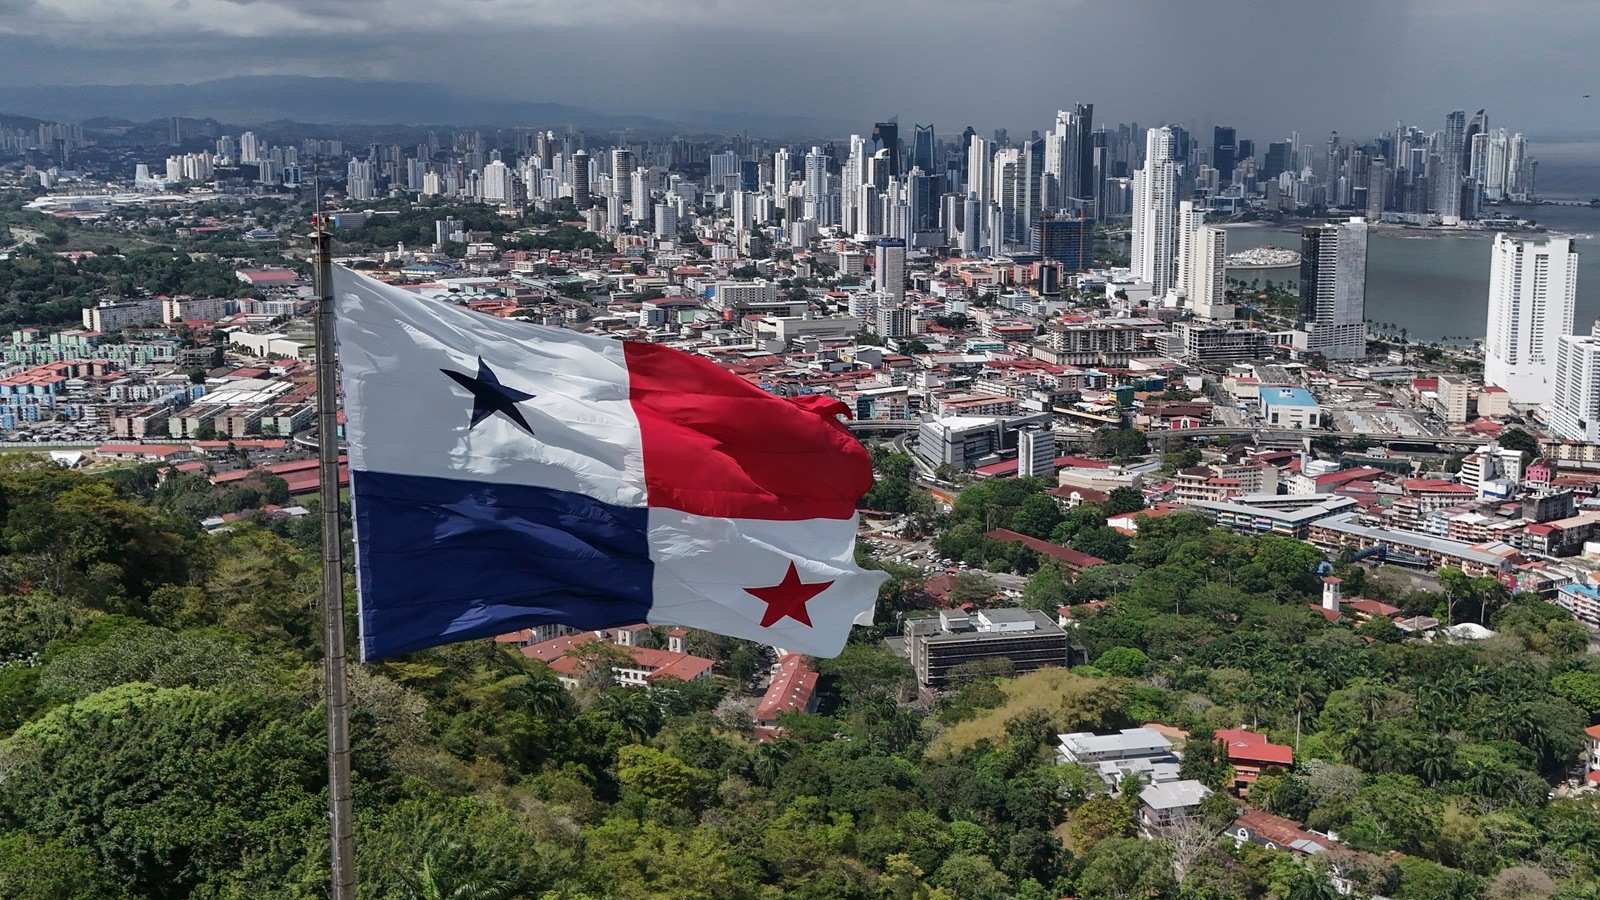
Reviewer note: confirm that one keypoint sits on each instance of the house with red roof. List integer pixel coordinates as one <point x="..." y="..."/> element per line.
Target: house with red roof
<point x="1249" y="753"/>
<point x="1277" y="833"/>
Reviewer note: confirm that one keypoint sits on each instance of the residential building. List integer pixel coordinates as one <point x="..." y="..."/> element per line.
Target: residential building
<point x="1068" y="241"/>
<point x="1532" y="292"/>
<point x="1250" y="753"/>
<point x="1333" y="289"/>
<point x="1582" y="600"/>
<point x="1573" y="412"/>
<point x="1207" y="271"/>
<point x="1454" y="392"/>
<point x="938" y="644"/>
<point x="1131" y="751"/>
<point x="1036" y="452"/>
<point x="114" y="315"/>
<point x="1172" y="803"/>
<point x="1155" y="213"/>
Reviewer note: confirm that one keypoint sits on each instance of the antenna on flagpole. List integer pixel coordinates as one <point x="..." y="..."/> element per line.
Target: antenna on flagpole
<point x="342" y="857"/>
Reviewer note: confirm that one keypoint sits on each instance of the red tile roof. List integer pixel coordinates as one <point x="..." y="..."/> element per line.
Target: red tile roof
<point x="1074" y="560"/>
<point x="1250" y="746"/>
<point x="792" y="689"/>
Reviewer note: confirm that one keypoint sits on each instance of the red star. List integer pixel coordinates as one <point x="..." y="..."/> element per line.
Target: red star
<point x="788" y="598"/>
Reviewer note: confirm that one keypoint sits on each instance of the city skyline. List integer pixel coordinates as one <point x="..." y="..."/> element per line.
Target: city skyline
<point x="1227" y="57"/>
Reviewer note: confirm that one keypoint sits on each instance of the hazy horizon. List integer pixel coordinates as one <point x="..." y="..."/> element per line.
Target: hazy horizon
<point x="1355" y="67"/>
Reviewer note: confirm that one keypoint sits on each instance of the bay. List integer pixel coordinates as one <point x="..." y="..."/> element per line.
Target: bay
<point x="1436" y="285"/>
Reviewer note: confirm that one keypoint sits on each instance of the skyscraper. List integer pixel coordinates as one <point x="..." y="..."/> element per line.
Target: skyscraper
<point x="1333" y="289"/>
<point x="1447" y="186"/>
<point x="1574" y="409"/>
<point x="1155" y="213"/>
<point x="1532" y="291"/>
<point x="580" y="180"/>
<point x="816" y="196"/>
<point x="886" y="136"/>
<point x="889" y="269"/>
<point x="1224" y="152"/>
<point x="1191" y="215"/>
<point x="622" y="175"/>
<point x="1208" y="262"/>
<point x="780" y="174"/>
<point x="922" y="145"/>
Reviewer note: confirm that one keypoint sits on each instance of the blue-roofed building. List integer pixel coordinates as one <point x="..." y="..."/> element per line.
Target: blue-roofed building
<point x="1283" y="407"/>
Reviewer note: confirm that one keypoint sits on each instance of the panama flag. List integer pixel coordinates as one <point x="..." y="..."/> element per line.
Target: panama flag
<point x="505" y="475"/>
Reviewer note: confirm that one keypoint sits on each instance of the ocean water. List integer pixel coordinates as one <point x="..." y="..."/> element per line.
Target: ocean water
<point x="1436" y="285"/>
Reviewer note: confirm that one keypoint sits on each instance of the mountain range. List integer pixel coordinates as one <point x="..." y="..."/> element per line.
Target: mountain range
<point x="333" y="101"/>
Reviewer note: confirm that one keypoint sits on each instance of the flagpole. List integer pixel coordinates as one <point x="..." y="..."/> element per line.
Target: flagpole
<point x="342" y="856"/>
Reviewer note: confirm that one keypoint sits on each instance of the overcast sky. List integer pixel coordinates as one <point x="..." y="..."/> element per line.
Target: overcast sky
<point x="1266" y="66"/>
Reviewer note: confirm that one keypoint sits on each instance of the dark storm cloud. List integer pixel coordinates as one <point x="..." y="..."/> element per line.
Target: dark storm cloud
<point x="1266" y="66"/>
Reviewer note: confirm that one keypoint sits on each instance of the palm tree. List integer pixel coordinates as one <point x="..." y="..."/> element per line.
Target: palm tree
<point x="1308" y="885"/>
<point x="434" y="881"/>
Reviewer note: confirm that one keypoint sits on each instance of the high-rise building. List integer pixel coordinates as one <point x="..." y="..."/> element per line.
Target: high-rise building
<point x="1036" y="452"/>
<point x="816" y="195"/>
<point x="1446" y="184"/>
<point x="886" y="136"/>
<point x="1574" y="408"/>
<point x="922" y="146"/>
<point x="1067" y="241"/>
<point x="622" y="174"/>
<point x="498" y="183"/>
<point x="1191" y="215"/>
<point x="250" y="147"/>
<point x="780" y="174"/>
<point x="1333" y="289"/>
<point x="1532" y="293"/>
<point x="666" y="222"/>
<point x="360" y="181"/>
<point x="1208" y="269"/>
<point x="1224" y="152"/>
<point x="1278" y="160"/>
<point x="580" y="180"/>
<point x="1155" y="213"/>
<point x="889" y="269"/>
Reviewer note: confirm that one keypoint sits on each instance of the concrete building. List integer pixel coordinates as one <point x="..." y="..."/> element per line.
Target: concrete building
<point x="889" y="269"/>
<point x="114" y="315"/>
<point x="965" y="441"/>
<point x="1333" y="289"/>
<point x="1155" y="213"/>
<point x="1291" y="408"/>
<point x="1454" y="392"/>
<point x="1172" y="803"/>
<point x="1026" y="637"/>
<point x="1036" y="452"/>
<point x="1573" y="412"/>
<point x="1532" y="292"/>
<point x="1208" y="272"/>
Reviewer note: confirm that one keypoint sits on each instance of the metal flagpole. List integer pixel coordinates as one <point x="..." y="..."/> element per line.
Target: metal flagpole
<point x="343" y="850"/>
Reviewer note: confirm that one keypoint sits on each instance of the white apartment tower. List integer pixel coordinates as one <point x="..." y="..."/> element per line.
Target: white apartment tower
<point x="622" y="174"/>
<point x="1191" y="216"/>
<point x="1208" y="264"/>
<point x="889" y="269"/>
<point x="1333" y="289"/>
<point x="816" y="195"/>
<point x="1574" y="409"/>
<point x="1155" y="213"/>
<point x="1532" y="291"/>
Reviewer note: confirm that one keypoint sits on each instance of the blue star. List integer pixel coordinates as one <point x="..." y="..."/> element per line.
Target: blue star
<point x="489" y="396"/>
